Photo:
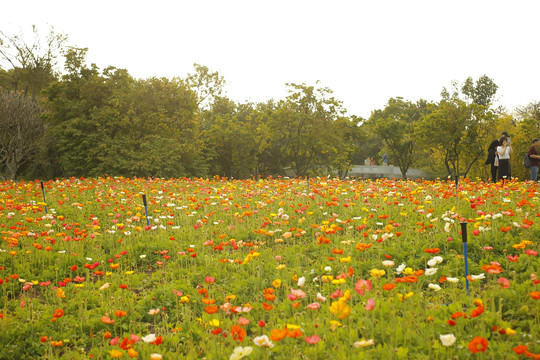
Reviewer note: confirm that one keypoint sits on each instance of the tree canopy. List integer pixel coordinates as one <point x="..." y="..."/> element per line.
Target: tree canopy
<point x="87" y="121"/>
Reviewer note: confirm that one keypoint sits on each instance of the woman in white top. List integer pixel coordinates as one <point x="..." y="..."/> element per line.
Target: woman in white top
<point x="504" y="150"/>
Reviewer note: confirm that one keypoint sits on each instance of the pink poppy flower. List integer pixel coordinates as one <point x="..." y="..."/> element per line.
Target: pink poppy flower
<point x="114" y="341"/>
<point x="296" y="294"/>
<point x="336" y="294"/>
<point x="209" y="279"/>
<point x="243" y="321"/>
<point x="504" y="282"/>
<point x="314" y="306"/>
<point x="530" y="252"/>
<point x="513" y="258"/>
<point x="312" y="340"/>
<point x="362" y="286"/>
<point x="370" y="305"/>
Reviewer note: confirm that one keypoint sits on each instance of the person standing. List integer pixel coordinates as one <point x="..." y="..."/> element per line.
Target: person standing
<point x="535" y="159"/>
<point x="493" y="159"/>
<point x="385" y="159"/>
<point x="504" y="150"/>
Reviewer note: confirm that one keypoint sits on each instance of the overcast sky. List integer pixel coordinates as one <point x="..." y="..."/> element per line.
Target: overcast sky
<point x="365" y="51"/>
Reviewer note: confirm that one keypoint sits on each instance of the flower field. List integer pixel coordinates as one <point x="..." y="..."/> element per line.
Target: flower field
<point x="268" y="269"/>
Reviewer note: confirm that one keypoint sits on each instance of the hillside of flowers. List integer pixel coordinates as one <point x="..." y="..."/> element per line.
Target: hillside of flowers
<point x="269" y="269"/>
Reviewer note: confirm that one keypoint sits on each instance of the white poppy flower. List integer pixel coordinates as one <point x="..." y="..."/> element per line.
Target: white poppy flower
<point x="363" y="343"/>
<point x="400" y="268"/>
<point x="149" y="338"/>
<point x="434" y="261"/>
<point x="448" y="339"/>
<point x="478" y="277"/>
<point x="434" y="287"/>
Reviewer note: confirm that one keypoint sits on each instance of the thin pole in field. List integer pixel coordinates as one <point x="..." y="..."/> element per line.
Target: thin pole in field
<point x="43" y="193"/>
<point x="146" y="209"/>
<point x="464" y="238"/>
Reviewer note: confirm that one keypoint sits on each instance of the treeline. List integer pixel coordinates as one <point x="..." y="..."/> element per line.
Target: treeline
<point x="85" y="121"/>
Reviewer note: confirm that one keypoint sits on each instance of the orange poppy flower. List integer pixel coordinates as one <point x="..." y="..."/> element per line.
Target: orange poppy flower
<point x="535" y="295"/>
<point x="520" y="349"/>
<point x="389" y="286"/>
<point x="120" y="313"/>
<point x="363" y="246"/>
<point x="406" y="279"/>
<point x="208" y="301"/>
<point x="211" y="309"/>
<point x="267" y="306"/>
<point x="296" y="333"/>
<point x="478" y="344"/>
<point x="238" y="333"/>
<point x="107" y="320"/>
<point x="278" y="334"/>
<point x="492" y="269"/>
<point x="457" y="315"/>
<point x="159" y="340"/>
<point x="477" y="312"/>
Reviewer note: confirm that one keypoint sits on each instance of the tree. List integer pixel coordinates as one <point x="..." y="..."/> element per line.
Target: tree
<point x="239" y="135"/>
<point x="105" y="122"/>
<point x="305" y="121"/>
<point x="21" y="131"/>
<point x="456" y="131"/>
<point x="29" y="67"/>
<point x="207" y="85"/>
<point x="529" y="119"/>
<point x="481" y="93"/>
<point x="395" y="126"/>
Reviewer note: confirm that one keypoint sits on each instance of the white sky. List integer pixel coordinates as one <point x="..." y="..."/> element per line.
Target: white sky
<point x="366" y="51"/>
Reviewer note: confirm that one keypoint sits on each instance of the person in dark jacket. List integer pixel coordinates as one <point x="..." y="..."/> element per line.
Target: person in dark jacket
<point x="492" y="159"/>
<point x="535" y="158"/>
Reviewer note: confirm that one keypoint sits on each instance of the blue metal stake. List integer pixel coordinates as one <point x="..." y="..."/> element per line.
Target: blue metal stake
<point x="43" y="193"/>
<point x="457" y="180"/>
<point x="146" y="209"/>
<point x="464" y="238"/>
